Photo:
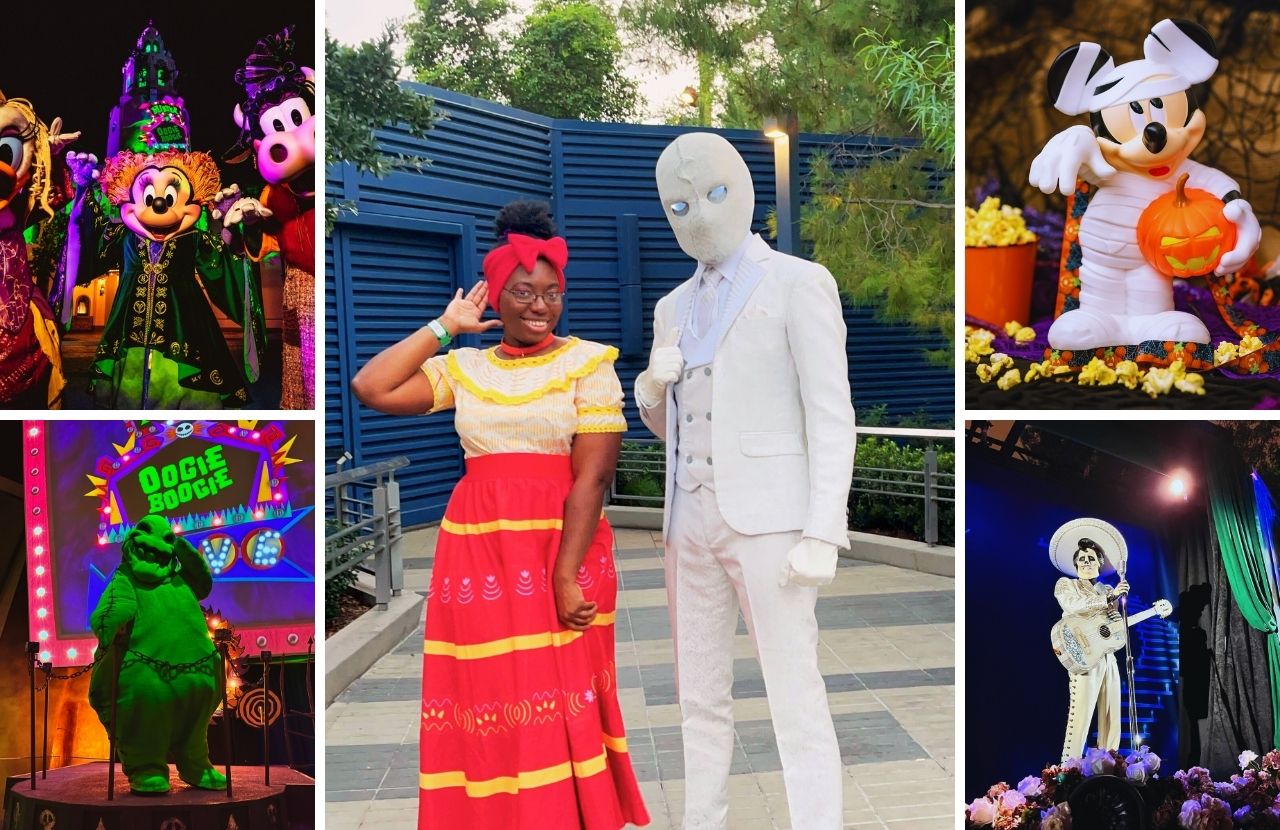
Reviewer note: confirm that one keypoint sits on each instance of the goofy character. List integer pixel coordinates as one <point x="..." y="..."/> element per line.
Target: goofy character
<point x="277" y="120"/>
<point x="1145" y="120"/>
<point x="30" y="351"/>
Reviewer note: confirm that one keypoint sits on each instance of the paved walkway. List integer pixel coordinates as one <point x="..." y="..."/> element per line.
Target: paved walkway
<point x="887" y="652"/>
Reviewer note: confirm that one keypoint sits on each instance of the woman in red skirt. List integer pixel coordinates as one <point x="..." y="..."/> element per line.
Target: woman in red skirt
<point x="521" y="728"/>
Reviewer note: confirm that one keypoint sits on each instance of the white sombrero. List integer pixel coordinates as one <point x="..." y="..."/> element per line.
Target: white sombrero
<point x="1066" y="541"/>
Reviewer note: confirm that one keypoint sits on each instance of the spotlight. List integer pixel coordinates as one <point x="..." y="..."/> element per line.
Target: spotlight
<point x="1179" y="485"/>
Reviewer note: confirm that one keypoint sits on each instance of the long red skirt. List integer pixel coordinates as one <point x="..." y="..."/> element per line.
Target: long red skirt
<point x="521" y="728"/>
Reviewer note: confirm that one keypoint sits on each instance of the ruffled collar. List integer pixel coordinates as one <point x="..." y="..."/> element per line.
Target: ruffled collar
<point x="521" y="380"/>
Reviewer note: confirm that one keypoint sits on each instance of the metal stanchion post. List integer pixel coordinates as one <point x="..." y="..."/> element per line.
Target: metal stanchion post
<point x="222" y="639"/>
<point x="266" y="724"/>
<point x="47" y="668"/>
<point x="33" y="651"/>
<point x="116" y="653"/>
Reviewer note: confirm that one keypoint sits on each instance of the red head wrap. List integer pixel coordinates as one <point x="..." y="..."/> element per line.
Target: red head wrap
<point x="524" y="251"/>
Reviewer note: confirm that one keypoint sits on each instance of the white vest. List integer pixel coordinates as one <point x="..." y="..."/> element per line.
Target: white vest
<point x="693" y="428"/>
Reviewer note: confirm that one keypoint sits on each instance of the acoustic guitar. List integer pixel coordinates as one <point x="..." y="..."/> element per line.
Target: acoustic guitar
<point x="1081" y="640"/>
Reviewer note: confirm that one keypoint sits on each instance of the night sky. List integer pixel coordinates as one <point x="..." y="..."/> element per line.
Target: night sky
<point x="66" y="59"/>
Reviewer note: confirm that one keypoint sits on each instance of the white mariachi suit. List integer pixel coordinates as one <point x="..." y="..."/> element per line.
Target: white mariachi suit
<point x="1100" y="688"/>
<point x="759" y="431"/>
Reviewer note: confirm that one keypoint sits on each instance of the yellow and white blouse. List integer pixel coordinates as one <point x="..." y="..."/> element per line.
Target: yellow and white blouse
<point x="528" y="404"/>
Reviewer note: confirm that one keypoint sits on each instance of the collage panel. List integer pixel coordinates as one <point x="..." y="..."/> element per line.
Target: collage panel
<point x="639" y="415"/>
<point x="1122" y="231"/>
<point x="157" y="624"/>
<point x="157" y="209"/>
<point x="1145" y="551"/>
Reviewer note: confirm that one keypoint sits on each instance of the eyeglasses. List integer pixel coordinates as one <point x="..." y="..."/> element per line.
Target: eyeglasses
<point x="524" y="297"/>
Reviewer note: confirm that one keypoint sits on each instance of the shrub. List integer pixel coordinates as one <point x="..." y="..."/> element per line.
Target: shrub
<point x="338" y="584"/>
<point x="641" y="479"/>
<point x="893" y="515"/>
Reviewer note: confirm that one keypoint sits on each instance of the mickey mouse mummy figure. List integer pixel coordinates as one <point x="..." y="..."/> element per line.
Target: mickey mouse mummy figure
<point x="1145" y="121"/>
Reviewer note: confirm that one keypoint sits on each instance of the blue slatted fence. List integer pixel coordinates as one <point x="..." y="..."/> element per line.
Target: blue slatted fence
<point x="418" y="236"/>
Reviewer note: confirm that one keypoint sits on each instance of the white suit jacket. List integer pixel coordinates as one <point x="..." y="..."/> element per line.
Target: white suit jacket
<point x="782" y="415"/>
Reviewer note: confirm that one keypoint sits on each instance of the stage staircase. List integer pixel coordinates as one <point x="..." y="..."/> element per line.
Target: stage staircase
<point x="1155" y="675"/>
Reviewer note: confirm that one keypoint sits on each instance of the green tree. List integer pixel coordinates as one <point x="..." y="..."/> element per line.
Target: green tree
<point x="919" y="83"/>
<point x="885" y="230"/>
<point x="364" y="94"/>
<point x="456" y="45"/>
<point x="712" y="33"/>
<point x="567" y="63"/>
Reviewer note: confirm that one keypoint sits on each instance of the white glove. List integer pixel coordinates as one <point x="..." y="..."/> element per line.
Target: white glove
<point x="664" y="369"/>
<point x="1248" y="235"/>
<point x="810" y="564"/>
<point x="1058" y="165"/>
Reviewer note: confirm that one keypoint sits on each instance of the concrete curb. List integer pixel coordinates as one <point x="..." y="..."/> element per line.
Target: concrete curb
<point x="635" y="518"/>
<point x="902" y="553"/>
<point x="353" y="650"/>
<point x="867" y="547"/>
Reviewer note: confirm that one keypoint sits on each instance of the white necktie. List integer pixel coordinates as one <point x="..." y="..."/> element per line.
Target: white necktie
<point x="704" y="316"/>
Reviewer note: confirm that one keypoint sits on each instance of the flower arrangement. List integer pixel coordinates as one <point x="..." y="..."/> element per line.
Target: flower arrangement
<point x="1187" y="800"/>
<point x="994" y="225"/>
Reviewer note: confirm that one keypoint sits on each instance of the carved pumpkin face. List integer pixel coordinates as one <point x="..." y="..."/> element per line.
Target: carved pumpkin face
<point x="1184" y="232"/>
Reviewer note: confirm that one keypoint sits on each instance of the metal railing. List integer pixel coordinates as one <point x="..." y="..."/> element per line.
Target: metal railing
<point x="362" y="525"/>
<point x="643" y="460"/>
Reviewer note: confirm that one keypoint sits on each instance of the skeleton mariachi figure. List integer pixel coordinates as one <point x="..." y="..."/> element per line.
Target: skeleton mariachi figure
<point x="1080" y="549"/>
<point x="278" y="126"/>
<point x="30" y="353"/>
<point x="162" y="346"/>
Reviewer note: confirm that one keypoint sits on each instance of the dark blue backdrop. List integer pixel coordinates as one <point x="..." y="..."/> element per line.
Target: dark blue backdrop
<point x="1015" y="688"/>
<point x="419" y="236"/>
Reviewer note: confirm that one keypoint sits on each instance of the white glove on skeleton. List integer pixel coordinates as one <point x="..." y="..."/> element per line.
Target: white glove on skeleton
<point x="1060" y="162"/>
<point x="810" y="564"/>
<point x="664" y="369"/>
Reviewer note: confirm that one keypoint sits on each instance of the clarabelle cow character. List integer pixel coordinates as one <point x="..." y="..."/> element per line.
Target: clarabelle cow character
<point x="277" y="120"/>
<point x="1145" y="121"/>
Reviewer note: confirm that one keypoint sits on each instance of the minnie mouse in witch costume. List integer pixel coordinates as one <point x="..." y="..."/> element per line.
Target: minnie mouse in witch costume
<point x="277" y="123"/>
<point x="162" y="346"/>
<point x="30" y="351"/>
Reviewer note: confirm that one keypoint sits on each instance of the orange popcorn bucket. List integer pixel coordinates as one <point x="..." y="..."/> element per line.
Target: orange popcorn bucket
<point x="997" y="282"/>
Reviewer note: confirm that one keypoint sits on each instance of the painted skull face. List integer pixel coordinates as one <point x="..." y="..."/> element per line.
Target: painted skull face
<point x="17" y="150"/>
<point x="707" y="194"/>
<point x="1088" y="564"/>
<point x="161" y="205"/>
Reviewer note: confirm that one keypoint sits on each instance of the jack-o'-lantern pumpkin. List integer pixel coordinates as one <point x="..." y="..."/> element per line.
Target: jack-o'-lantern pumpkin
<point x="1184" y="232"/>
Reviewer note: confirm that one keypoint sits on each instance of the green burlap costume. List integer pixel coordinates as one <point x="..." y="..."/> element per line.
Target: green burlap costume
<point x="170" y="674"/>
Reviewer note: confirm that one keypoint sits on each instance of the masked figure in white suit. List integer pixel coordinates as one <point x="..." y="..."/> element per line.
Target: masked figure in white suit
<point x="748" y="386"/>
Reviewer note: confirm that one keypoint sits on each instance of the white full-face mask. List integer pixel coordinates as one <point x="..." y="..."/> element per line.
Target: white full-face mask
<point x="707" y="194"/>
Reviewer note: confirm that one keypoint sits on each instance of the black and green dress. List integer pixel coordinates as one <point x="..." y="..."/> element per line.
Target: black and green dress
<point x="161" y="333"/>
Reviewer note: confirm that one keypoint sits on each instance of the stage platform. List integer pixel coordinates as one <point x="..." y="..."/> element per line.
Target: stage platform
<point x="75" y="798"/>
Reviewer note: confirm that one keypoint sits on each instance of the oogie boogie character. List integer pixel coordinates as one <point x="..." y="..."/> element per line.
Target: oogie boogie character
<point x="169" y="670"/>
<point x="30" y="351"/>
<point x="1145" y="121"/>
<point x="162" y="346"/>
<point x="277" y="116"/>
